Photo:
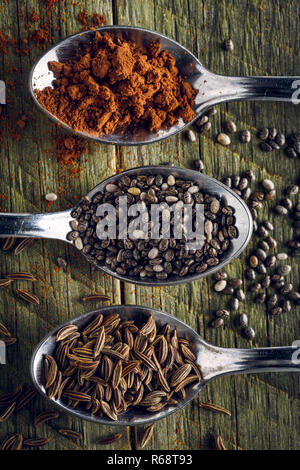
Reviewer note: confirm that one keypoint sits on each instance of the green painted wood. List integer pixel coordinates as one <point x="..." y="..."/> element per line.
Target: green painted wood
<point x="265" y="408"/>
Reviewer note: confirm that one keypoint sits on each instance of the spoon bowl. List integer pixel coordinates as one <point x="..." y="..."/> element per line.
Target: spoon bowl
<point x="212" y="88"/>
<point x="213" y="361"/>
<point x="56" y="225"/>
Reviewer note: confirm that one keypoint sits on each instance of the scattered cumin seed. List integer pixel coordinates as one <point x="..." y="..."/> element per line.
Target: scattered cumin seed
<point x="25" y="398"/>
<point x="12" y="442"/>
<point x="37" y="442"/>
<point x="28" y="296"/>
<point x="5" y="283"/>
<point x="44" y="417"/>
<point x="9" y="341"/>
<point x="7" y="399"/>
<point x="20" y="276"/>
<point x="70" y="433"/>
<point x="8" y="412"/>
<point x="18" y="442"/>
<point x="213" y="407"/>
<point x="4" y="331"/>
<point x="147" y="435"/>
<point x="220" y="444"/>
<point x="95" y="297"/>
<point x="20" y="247"/>
<point x="111" y="439"/>
<point x="9" y="243"/>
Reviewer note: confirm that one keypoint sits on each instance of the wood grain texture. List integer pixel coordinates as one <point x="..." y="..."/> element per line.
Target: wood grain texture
<point x="265" y="408"/>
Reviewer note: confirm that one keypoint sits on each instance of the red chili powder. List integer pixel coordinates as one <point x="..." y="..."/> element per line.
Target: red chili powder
<point x="34" y="16"/>
<point x="114" y="84"/>
<point x="3" y="43"/>
<point x="50" y="3"/>
<point x="69" y="148"/>
<point x="40" y="37"/>
<point x="83" y="18"/>
<point x="99" y="20"/>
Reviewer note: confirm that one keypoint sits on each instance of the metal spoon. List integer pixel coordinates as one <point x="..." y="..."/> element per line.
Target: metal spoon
<point x="213" y="361"/>
<point x="213" y="88"/>
<point x="56" y="224"/>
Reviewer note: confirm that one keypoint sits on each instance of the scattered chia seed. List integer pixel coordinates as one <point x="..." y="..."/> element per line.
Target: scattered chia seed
<point x="228" y="45"/>
<point x="223" y="139"/>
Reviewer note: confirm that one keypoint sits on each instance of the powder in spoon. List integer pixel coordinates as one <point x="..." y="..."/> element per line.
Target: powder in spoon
<point x="114" y="85"/>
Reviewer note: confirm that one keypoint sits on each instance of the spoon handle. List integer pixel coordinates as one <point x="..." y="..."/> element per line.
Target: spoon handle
<point x="52" y="225"/>
<point x="280" y="359"/>
<point x="253" y="88"/>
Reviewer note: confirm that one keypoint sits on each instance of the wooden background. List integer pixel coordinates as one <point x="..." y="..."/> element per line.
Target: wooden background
<point x="265" y="408"/>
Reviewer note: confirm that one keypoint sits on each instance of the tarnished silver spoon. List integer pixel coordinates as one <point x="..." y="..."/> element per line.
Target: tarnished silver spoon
<point x="213" y="88"/>
<point x="57" y="224"/>
<point x="213" y="361"/>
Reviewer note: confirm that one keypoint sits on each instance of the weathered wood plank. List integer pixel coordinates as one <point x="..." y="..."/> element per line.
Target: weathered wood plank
<point x="28" y="171"/>
<point x="202" y="27"/>
<point x="265" y="409"/>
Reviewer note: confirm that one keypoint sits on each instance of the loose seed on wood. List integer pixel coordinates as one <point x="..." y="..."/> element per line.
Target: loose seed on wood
<point x="23" y="244"/>
<point x="281" y="210"/>
<point x="9" y="243"/>
<point x="243" y="320"/>
<point x="5" y="283"/>
<point x="220" y="285"/>
<point x="62" y="263"/>
<point x="12" y="442"/>
<point x="4" y="331"/>
<point x="44" y="417"/>
<point x="111" y="439"/>
<point x="220" y="444"/>
<point x="148" y="433"/>
<point x="199" y="165"/>
<point x="223" y="139"/>
<point x="70" y="433"/>
<point x="245" y="136"/>
<point x="95" y="297"/>
<point x="231" y="127"/>
<point x="191" y="136"/>
<point x="219" y="276"/>
<point x="263" y="133"/>
<point x="205" y="128"/>
<point x="213" y="407"/>
<point x="51" y="197"/>
<point x="37" y="442"/>
<point x="292" y="190"/>
<point x="7" y="412"/>
<point x="217" y="323"/>
<point x="268" y="184"/>
<point x="211" y="112"/>
<point x="20" y="276"/>
<point x="249" y="333"/>
<point x="27" y="296"/>
<point x="228" y="44"/>
<point x="282" y="256"/>
<point x="222" y="314"/>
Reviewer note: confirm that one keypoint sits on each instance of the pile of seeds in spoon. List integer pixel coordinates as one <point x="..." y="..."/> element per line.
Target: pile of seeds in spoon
<point x="148" y="258"/>
<point x="112" y="365"/>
